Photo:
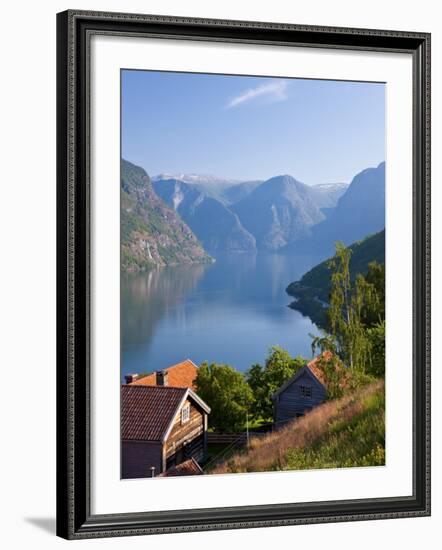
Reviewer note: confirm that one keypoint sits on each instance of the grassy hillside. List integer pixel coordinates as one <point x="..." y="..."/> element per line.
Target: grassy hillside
<point x="312" y="290"/>
<point x="341" y="433"/>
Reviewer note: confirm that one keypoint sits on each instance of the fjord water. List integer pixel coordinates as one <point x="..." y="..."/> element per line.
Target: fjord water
<point x="230" y="312"/>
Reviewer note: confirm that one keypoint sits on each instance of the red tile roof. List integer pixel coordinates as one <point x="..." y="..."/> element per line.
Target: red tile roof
<point x="189" y="467"/>
<point x="147" y="411"/>
<point x="317" y="367"/>
<point x="181" y="375"/>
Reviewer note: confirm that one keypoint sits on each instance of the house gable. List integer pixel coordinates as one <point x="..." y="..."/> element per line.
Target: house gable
<point x="298" y="395"/>
<point x="189" y="398"/>
<point x="302" y="372"/>
<point x="186" y="438"/>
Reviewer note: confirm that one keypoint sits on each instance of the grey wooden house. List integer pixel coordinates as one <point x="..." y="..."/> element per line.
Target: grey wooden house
<point x="299" y="394"/>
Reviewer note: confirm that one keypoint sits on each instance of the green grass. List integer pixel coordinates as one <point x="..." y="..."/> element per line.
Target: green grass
<point x="358" y="442"/>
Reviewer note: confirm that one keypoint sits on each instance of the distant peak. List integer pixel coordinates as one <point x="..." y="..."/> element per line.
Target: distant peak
<point x="196" y="178"/>
<point x="331" y="186"/>
<point x="284" y="179"/>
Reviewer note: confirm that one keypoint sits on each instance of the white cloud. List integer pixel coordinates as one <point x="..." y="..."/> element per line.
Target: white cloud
<point x="275" y="90"/>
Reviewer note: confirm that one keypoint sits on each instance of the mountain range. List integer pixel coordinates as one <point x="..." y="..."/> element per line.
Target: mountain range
<point x="248" y="215"/>
<point x="197" y="215"/>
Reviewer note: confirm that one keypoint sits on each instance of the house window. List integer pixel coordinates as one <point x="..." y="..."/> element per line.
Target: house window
<point x="306" y="391"/>
<point x="185" y="414"/>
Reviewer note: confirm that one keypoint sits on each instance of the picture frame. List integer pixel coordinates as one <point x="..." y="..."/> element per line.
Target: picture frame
<point x="75" y="518"/>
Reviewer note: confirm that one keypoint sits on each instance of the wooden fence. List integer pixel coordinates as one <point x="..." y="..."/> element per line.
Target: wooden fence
<point x="230" y="437"/>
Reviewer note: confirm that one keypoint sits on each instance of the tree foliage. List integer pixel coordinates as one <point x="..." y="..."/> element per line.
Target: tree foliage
<point x="264" y="381"/>
<point x="356" y="316"/>
<point x="373" y="311"/>
<point x="346" y="304"/>
<point x="227" y="393"/>
<point x="376" y="335"/>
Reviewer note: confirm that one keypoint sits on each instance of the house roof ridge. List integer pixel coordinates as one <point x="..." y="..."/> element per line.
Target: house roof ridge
<point x="156" y="388"/>
<point x="180" y="375"/>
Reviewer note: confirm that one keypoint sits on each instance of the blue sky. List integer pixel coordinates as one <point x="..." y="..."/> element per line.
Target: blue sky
<point x="242" y="127"/>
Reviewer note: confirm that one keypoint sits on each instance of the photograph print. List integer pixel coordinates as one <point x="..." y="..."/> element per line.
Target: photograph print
<point x="252" y="274"/>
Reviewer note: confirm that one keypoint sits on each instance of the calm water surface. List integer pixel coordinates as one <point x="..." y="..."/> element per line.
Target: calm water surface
<point x="231" y="312"/>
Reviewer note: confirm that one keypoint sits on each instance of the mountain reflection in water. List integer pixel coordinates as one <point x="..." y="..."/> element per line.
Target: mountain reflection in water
<point x="230" y="311"/>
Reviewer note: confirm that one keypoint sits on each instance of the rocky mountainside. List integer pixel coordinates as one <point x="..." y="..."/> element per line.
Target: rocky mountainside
<point x="239" y="191"/>
<point x="329" y="194"/>
<point x="210" y="186"/>
<point x="280" y="211"/>
<point x="152" y="234"/>
<point x="359" y="212"/>
<point x="213" y="222"/>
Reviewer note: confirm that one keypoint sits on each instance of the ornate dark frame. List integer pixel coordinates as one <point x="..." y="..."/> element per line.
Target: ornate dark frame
<point x="74" y="519"/>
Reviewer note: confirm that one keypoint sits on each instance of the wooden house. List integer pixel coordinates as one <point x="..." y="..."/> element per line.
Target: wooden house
<point x="300" y="393"/>
<point x="161" y="427"/>
<point x="181" y="375"/>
